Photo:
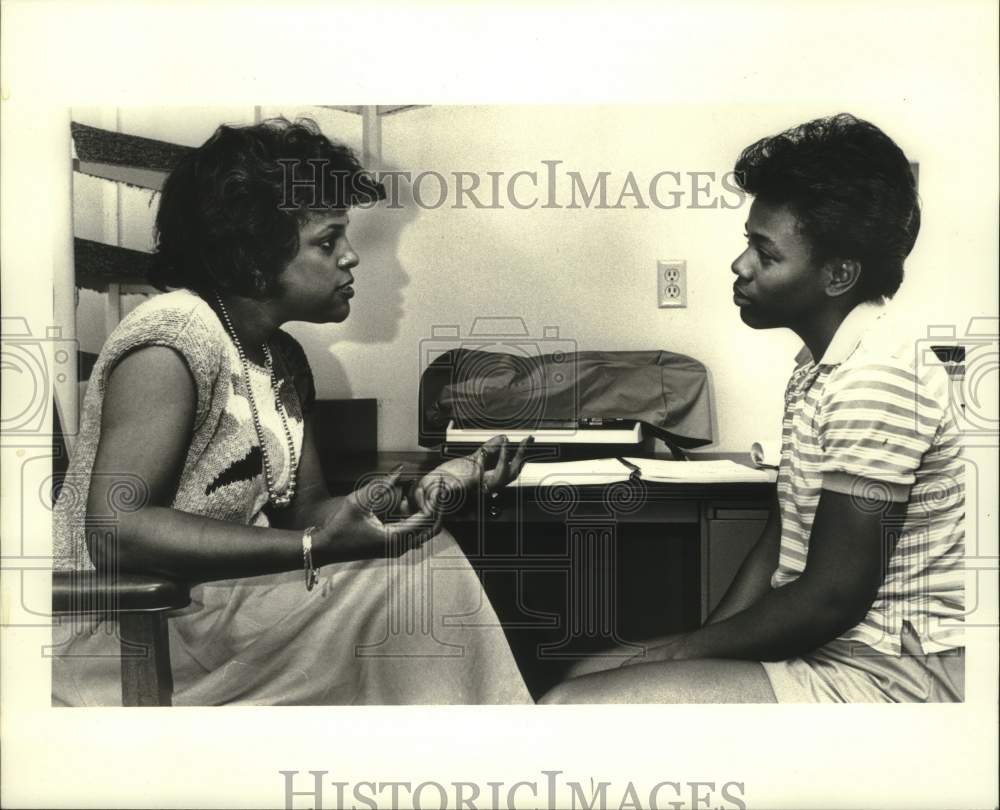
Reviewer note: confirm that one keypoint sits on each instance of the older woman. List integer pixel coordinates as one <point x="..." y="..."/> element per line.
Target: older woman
<point x="200" y="406"/>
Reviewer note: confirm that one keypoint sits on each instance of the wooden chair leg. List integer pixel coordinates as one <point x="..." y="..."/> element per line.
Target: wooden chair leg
<point x="145" y="651"/>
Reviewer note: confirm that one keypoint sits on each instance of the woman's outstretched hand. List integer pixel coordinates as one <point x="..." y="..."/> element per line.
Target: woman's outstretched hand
<point x="356" y="531"/>
<point x="491" y="467"/>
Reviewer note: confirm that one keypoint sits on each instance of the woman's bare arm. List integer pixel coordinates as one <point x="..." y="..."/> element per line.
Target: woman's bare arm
<point x="146" y="428"/>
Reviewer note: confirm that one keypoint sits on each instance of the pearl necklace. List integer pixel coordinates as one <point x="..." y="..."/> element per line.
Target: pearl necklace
<point x="285" y="498"/>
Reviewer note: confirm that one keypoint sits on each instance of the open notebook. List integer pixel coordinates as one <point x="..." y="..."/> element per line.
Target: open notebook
<point x="613" y="470"/>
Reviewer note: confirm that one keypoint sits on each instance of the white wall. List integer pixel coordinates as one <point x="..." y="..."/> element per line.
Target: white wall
<point x="592" y="272"/>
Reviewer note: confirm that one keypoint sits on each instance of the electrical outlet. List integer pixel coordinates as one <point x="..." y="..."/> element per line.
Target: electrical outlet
<point x="671" y="283"/>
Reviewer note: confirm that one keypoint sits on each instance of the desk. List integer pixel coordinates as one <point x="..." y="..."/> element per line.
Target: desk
<point x="574" y="570"/>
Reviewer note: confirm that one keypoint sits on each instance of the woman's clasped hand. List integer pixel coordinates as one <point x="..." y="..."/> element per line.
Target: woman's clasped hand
<point x="487" y="471"/>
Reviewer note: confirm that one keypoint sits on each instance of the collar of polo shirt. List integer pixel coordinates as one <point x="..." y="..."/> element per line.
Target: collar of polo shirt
<point x="848" y="334"/>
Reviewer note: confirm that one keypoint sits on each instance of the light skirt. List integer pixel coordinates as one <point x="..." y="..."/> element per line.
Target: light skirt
<point x="417" y="629"/>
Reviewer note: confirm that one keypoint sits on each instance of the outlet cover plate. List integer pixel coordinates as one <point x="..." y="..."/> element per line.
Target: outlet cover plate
<point x="671" y="283"/>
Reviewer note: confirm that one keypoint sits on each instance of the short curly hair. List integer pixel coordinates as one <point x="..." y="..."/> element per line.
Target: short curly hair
<point x="851" y="189"/>
<point x="230" y="210"/>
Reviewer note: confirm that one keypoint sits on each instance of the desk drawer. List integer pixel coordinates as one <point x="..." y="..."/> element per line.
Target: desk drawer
<point x="730" y="531"/>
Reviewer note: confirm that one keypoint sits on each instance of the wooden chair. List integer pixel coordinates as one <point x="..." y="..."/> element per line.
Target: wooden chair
<point x="140" y="605"/>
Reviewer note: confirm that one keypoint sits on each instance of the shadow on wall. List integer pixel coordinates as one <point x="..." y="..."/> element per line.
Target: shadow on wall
<point x="378" y="306"/>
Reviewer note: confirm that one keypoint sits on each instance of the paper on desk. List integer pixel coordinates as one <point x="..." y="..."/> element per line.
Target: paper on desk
<point x="698" y="472"/>
<point x="611" y="471"/>
<point x="575" y="473"/>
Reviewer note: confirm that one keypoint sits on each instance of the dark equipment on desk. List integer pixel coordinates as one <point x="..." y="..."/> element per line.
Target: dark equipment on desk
<point x="582" y="393"/>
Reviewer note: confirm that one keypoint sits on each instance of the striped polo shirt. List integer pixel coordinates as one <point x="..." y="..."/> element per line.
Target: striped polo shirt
<point x="871" y="420"/>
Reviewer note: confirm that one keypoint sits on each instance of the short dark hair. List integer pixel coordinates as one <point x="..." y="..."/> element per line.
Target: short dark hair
<point x="851" y="189"/>
<point x="229" y="218"/>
